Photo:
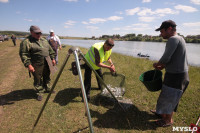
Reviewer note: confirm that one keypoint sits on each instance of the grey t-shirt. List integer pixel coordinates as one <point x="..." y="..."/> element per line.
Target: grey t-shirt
<point x="175" y="57"/>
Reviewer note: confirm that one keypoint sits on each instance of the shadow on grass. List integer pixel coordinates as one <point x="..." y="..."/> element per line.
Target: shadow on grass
<point x="67" y="95"/>
<point x="115" y="118"/>
<point x="17" y="95"/>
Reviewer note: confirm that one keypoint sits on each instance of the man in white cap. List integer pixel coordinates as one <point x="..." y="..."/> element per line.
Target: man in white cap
<point x="54" y="41"/>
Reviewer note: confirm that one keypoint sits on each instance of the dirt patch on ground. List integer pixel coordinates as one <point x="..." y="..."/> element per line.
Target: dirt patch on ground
<point x="12" y="69"/>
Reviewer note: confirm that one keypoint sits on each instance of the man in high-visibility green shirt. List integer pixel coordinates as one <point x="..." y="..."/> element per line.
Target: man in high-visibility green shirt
<point x="97" y="55"/>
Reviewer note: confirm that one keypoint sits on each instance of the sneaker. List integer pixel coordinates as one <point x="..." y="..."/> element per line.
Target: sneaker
<point x="38" y="88"/>
<point x="47" y="88"/>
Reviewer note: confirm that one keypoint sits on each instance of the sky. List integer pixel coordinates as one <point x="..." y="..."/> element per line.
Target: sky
<point x="87" y="18"/>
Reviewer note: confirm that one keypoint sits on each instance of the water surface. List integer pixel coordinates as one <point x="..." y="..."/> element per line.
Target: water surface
<point x="154" y="49"/>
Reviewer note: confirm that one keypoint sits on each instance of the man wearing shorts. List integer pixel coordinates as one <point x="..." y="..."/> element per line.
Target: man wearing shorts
<point x="176" y="78"/>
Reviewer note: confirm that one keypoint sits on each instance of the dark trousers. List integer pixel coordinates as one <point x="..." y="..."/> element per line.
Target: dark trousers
<point x="41" y="74"/>
<point x="14" y="42"/>
<point x="87" y="79"/>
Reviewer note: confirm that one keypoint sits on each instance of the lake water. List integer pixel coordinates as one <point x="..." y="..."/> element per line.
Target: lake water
<point x="153" y="49"/>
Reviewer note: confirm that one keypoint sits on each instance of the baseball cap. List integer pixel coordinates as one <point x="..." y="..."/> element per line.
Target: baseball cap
<point x="166" y="24"/>
<point x="51" y="31"/>
<point x="35" y="29"/>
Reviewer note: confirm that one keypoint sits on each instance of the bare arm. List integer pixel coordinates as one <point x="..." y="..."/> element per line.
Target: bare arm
<point x="99" y="64"/>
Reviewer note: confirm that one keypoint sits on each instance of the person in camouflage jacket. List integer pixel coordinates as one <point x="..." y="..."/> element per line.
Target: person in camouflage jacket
<point x="37" y="55"/>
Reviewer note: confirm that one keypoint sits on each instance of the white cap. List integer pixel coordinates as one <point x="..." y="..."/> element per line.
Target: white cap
<point x="51" y="31"/>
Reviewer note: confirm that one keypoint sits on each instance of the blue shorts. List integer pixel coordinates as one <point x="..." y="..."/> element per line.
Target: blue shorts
<point x="168" y="99"/>
<point x="174" y="85"/>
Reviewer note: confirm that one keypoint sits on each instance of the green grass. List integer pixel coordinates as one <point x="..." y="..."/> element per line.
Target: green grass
<point x="65" y="113"/>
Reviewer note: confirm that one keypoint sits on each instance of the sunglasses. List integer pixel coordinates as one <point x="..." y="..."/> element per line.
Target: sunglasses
<point x="111" y="45"/>
<point x="39" y="33"/>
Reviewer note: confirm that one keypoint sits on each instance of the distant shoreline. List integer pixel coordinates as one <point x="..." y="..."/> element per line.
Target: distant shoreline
<point x="117" y="37"/>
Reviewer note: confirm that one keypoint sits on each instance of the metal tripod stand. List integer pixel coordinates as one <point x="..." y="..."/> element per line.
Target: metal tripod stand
<point x="75" y="51"/>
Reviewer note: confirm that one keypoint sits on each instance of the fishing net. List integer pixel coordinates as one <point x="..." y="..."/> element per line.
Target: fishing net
<point x="115" y="82"/>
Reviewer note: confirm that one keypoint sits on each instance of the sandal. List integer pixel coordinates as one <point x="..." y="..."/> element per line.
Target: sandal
<point x="154" y="112"/>
<point x="162" y="123"/>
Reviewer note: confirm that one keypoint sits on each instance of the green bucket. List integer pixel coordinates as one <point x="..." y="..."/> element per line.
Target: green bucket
<point x="152" y="80"/>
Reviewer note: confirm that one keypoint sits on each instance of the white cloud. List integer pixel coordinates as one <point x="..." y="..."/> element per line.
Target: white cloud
<point x="119" y="12"/>
<point x="87" y="0"/>
<point x="140" y="27"/>
<point x="92" y="27"/>
<point x="145" y="12"/>
<point x="114" y="18"/>
<point x="146" y="19"/>
<point x="132" y="11"/>
<point x="29" y="20"/>
<point x="146" y="1"/>
<point x="127" y="28"/>
<point x="4" y="1"/>
<point x="84" y="22"/>
<point x="97" y="20"/>
<point x="194" y="24"/>
<point x="66" y="26"/>
<point x="164" y="11"/>
<point x="185" y="8"/>
<point x="71" y="0"/>
<point x="102" y="20"/>
<point x="70" y="22"/>
<point x="196" y="2"/>
<point x="134" y="27"/>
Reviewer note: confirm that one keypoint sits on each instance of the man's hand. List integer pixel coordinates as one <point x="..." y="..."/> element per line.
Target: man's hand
<point x="158" y="66"/>
<point x="31" y="68"/>
<point x="112" y="68"/>
<point x="53" y="62"/>
<point x="60" y="47"/>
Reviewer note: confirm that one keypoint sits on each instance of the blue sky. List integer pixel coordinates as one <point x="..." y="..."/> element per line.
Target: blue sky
<point x="86" y="18"/>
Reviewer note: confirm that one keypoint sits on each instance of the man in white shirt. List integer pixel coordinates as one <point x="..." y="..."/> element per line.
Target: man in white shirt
<point x="54" y="41"/>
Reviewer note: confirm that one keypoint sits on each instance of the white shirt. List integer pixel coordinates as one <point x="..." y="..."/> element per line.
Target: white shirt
<point x="55" y="38"/>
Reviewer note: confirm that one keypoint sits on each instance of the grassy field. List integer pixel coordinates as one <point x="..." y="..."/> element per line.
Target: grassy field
<point x="65" y="113"/>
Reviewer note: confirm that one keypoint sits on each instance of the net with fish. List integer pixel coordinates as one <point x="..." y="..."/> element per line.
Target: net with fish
<point x="115" y="82"/>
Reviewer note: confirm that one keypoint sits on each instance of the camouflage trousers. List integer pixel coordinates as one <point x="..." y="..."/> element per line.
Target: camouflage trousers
<point x="41" y="75"/>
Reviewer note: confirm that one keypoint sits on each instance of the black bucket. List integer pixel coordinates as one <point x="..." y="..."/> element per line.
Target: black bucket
<point x="152" y="80"/>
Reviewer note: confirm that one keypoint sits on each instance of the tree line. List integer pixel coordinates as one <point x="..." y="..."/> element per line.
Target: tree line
<point x="127" y="37"/>
<point x="17" y="33"/>
<point x="147" y="38"/>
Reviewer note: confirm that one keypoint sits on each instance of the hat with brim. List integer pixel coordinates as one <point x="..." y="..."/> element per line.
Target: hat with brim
<point x="51" y="31"/>
<point x="166" y="24"/>
<point x="35" y="29"/>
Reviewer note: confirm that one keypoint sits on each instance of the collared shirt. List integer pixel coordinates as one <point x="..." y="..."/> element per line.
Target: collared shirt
<point x="32" y="50"/>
